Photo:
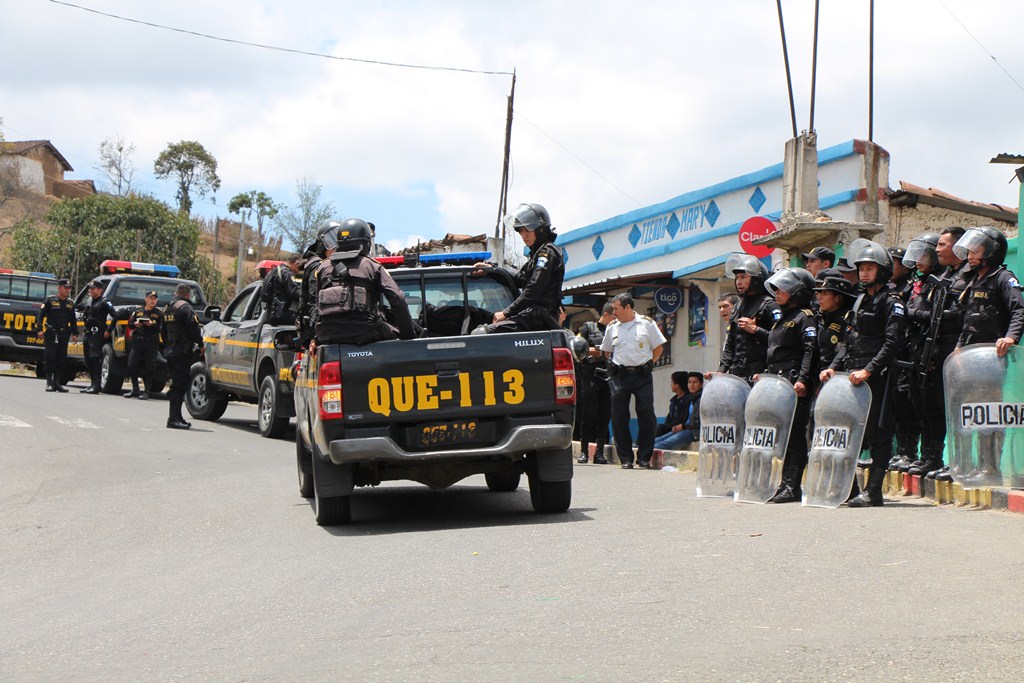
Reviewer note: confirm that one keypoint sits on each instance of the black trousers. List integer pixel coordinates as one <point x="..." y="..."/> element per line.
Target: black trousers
<point x="142" y="361"/>
<point x="594" y="408"/>
<point x="624" y="387"/>
<point x="178" y="366"/>
<point x="55" y="356"/>
<point x="92" y="350"/>
<point x="878" y="433"/>
<point x="796" y="449"/>
<point x="930" y="403"/>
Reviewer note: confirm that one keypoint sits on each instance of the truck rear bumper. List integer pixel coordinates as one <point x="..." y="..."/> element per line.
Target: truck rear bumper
<point x="522" y="439"/>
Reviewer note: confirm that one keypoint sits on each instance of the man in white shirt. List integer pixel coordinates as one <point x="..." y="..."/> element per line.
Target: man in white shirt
<point x="632" y="344"/>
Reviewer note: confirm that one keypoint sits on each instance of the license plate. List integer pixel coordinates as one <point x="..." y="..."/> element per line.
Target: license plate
<point x="450" y="433"/>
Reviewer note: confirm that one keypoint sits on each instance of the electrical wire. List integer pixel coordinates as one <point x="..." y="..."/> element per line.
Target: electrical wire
<point x="985" y="49"/>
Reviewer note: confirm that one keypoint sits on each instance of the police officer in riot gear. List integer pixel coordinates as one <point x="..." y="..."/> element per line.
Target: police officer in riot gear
<point x="348" y="288"/>
<point x="280" y="292"/>
<point x="57" y="324"/>
<point x="96" y="333"/>
<point x="993" y="310"/>
<point x="834" y="295"/>
<point x="184" y="340"/>
<point x="992" y="305"/>
<point x="746" y="342"/>
<point x="146" y="323"/>
<point x="595" y="409"/>
<point x="793" y="354"/>
<point x="907" y="423"/>
<point x="540" y="278"/>
<point x="315" y="253"/>
<point x="875" y="335"/>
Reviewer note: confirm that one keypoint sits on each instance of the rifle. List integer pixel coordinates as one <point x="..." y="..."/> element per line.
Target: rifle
<point x="938" y="294"/>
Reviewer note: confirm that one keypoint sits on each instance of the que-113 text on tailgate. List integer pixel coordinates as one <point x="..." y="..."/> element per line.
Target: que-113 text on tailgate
<point x="390" y="395"/>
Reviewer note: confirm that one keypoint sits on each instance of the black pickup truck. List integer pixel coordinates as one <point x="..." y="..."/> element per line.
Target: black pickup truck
<point x="246" y="359"/>
<point x="21" y="293"/>
<point x="125" y="284"/>
<point x="439" y="408"/>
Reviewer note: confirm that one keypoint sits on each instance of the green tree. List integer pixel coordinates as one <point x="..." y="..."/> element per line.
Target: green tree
<point x="192" y="167"/>
<point x="84" y="232"/>
<point x="299" y="224"/>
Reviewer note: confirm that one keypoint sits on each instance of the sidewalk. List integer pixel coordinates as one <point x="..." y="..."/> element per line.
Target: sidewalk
<point x="897" y="484"/>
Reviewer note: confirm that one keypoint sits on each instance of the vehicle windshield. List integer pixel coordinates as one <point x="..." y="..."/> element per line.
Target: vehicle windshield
<point x="446" y="291"/>
<point x="26" y="288"/>
<point x="132" y="291"/>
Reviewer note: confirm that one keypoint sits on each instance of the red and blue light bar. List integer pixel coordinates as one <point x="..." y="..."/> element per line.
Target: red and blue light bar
<point x="455" y="257"/>
<point x="33" y="273"/>
<point x="137" y="267"/>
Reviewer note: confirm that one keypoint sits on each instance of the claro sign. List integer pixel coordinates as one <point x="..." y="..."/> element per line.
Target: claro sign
<point x="753" y="228"/>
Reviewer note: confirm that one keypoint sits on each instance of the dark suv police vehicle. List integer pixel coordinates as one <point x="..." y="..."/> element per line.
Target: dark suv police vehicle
<point x="21" y="293"/>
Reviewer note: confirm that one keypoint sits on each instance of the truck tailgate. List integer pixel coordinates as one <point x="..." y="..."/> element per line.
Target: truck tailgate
<point x="449" y="379"/>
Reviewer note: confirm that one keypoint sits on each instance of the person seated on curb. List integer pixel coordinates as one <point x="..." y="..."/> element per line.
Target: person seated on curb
<point x="678" y="405"/>
<point x="684" y="434"/>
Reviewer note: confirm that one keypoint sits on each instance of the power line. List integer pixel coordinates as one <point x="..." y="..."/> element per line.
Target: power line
<point x="283" y="49"/>
<point x="992" y="56"/>
<point x="574" y="156"/>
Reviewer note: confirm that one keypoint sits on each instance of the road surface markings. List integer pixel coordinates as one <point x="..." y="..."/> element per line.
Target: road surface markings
<point x="11" y="421"/>
<point x="73" y="422"/>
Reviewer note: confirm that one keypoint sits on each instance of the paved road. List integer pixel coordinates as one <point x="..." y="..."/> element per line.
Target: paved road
<point x="132" y="552"/>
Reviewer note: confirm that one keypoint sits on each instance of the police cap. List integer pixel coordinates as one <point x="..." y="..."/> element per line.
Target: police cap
<point x="839" y="285"/>
<point x="94" y="284"/>
<point x="151" y="293"/>
<point x="63" y="282"/>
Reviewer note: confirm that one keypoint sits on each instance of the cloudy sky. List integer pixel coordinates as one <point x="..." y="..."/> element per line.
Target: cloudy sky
<point x="617" y="105"/>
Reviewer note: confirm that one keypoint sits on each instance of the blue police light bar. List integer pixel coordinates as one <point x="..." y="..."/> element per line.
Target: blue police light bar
<point x="456" y="257"/>
<point x="113" y="266"/>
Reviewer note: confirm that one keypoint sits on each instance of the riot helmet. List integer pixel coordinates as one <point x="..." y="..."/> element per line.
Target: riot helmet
<point x="866" y="251"/>
<point x="326" y="238"/>
<point x="528" y="217"/>
<point x="354" y="234"/>
<point x="992" y="242"/>
<point x="745" y="263"/>
<point x="798" y="283"/>
<point x="921" y="250"/>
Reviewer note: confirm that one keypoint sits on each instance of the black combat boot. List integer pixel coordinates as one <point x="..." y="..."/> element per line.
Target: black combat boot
<point x="871" y="496"/>
<point x="599" y="458"/>
<point x="584" y="453"/>
<point x="51" y="385"/>
<point x="787" y="493"/>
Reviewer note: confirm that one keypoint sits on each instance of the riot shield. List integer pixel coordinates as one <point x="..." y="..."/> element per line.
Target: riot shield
<point x="768" y="417"/>
<point x="840" y="418"/>
<point x="985" y="416"/>
<point x="721" y="433"/>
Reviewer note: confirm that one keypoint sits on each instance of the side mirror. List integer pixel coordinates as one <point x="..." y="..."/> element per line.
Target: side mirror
<point x="286" y="340"/>
<point x="212" y="312"/>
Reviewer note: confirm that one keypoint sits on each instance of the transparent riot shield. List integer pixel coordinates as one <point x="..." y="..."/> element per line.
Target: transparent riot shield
<point x="768" y="417"/>
<point x="721" y="434"/>
<point x="840" y="417"/>
<point x="985" y="416"/>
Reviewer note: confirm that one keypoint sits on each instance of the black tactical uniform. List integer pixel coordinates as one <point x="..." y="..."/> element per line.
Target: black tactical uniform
<point x="929" y="395"/>
<point x="144" y="348"/>
<point x="595" y="407"/>
<point x="992" y="307"/>
<point x="348" y="289"/>
<point x="745" y="354"/>
<point x="907" y="421"/>
<point x="184" y="340"/>
<point x="96" y="331"/>
<point x="831" y="332"/>
<point x="540" y="281"/>
<point x="280" y="295"/>
<point x="873" y="340"/>
<point x="56" y="324"/>
<point x="304" y="316"/>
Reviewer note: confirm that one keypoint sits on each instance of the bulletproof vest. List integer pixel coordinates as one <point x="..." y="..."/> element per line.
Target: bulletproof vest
<point x="953" y="321"/>
<point x="174" y="331"/>
<point x="831" y="332"/>
<point x="986" y="315"/>
<point x="785" y="341"/>
<point x="867" y="331"/>
<point x="343" y="292"/>
<point x="552" y="297"/>
<point x="96" y="314"/>
<point x="749" y="353"/>
<point x="593" y="332"/>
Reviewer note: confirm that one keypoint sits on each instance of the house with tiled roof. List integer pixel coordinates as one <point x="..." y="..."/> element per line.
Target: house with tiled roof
<point x="36" y="167"/>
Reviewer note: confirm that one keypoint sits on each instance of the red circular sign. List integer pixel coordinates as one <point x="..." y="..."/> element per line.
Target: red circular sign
<point x="752" y="228"/>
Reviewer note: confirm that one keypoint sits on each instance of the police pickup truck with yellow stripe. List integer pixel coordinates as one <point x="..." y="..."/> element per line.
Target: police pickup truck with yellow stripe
<point x="21" y="293"/>
<point x="125" y="284"/>
<point x="246" y="359"/>
<point x="441" y="407"/>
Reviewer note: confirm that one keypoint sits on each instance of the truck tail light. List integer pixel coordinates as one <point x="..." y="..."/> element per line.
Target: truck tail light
<point x="328" y="391"/>
<point x="565" y="376"/>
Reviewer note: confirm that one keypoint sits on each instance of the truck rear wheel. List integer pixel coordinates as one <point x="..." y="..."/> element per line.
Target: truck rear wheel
<point x="111" y="382"/>
<point x="331" y="510"/>
<point x="502" y="481"/>
<point x="271" y="424"/>
<point x="550" y="496"/>
<point x="304" y="460"/>
<point x="203" y="401"/>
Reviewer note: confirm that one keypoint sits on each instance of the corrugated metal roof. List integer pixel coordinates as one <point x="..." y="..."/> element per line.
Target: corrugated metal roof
<point x="909" y="194"/>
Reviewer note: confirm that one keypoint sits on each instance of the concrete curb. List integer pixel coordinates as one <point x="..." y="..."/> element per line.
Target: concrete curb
<point x="897" y="484"/>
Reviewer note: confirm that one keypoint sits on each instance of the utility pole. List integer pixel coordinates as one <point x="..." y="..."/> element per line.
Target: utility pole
<point x="503" y="197"/>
